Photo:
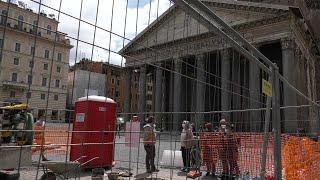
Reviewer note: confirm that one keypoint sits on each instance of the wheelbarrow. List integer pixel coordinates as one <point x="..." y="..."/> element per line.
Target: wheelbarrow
<point x="62" y="170"/>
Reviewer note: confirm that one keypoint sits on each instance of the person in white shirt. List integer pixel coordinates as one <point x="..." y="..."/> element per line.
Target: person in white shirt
<point x="186" y="145"/>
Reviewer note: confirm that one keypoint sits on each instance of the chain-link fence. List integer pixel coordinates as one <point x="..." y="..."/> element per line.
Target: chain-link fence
<point x="195" y="89"/>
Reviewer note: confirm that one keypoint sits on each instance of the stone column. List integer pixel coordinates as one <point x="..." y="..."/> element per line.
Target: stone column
<point x="289" y="64"/>
<point x="255" y="93"/>
<point x="201" y="88"/>
<point x="311" y="94"/>
<point x="127" y="104"/>
<point x="236" y="98"/>
<point x="177" y="94"/>
<point x="158" y="93"/>
<point x="225" y="83"/>
<point x="142" y="93"/>
<point x="315" y="124"/>
<point x="164" y="103"/>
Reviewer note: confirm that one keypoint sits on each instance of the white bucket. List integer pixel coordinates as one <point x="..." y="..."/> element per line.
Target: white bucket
<point x="171" y="159"/>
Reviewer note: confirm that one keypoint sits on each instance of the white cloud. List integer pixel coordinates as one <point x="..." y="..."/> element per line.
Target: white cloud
<point x="133" y="24"/>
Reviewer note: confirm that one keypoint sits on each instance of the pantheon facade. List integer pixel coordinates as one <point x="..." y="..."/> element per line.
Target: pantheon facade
<point x="198" y="73"/>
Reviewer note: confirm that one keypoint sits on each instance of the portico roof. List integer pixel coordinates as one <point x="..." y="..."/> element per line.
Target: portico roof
<point x="265" y="11"/>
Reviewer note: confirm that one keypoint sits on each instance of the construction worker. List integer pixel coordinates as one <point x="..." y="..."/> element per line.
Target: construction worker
<point x="39" y="136"/>
<point x="228" y="150"/>
<point x="29" y="127"/>
<point x="149" y="141"/>
<point x="209" y="152"/>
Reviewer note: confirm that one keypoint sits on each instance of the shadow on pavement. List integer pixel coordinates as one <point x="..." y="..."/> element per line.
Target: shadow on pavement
<point x="209" y="178"/>
<point x="182" y="174"/>
<point x="142" y="175"/>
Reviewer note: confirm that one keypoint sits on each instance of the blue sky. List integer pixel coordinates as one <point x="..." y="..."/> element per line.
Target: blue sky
<point x="134" y="3"/>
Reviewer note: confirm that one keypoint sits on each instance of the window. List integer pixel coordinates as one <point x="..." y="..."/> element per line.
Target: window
<point x="31" y="64"/>
<point x="54" y="114"/>
<point x="44" y="81"/>
<point x="4" y="15"/>
<point x="17" y="47"/>
<point x="46" y="54"/>
<point x="29" y="79"/>
<point x="112" y="92"/>
<point x="118" y="82"/>
<point x="32" y="50"/>
<point x="41" y="112"/>
<point x="45" y="66"/>
<point x="1" y="43"/>
<point x="59" y="57"/>
<point x="28" y="94"/>
<point x="35" y="24"/>
<point x="12" y="94"/>
<point x="43" y="96"/>
<point x="117" y="94"/>
<point x="57" y="83"/>
<point x="14" y="77"/>
<point x="49" y="30"/>
<point x="112" y="80"/>
<point x="55" y="97"/>
<point x="58" y="69"/>
<point x="16" y="61"/>
<point x="20" y="22"/>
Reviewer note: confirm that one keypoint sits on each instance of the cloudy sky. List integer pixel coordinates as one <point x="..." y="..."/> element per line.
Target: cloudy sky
<point x="137" y="19"/>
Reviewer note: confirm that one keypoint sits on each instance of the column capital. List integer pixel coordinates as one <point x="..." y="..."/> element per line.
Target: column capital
<point x="200" y="56"/>
<point x="225" y="53"/>
<point x="143" y="68"/>
<point x="128" y="69"/>
<point x="287" y="43"/>
<point x="298" y="53"/>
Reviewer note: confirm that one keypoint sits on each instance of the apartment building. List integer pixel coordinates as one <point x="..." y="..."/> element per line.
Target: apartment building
<point x="34" y="61"/>
<point x="114" y="87"/>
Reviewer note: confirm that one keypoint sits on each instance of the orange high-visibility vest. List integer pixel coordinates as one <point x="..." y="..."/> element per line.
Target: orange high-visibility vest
<point x="38" y="136"/>
<point x="149" y="137"/>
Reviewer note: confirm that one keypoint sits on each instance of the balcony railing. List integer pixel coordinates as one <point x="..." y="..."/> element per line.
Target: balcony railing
<point x="60" y="38"/>
<point x="12" y="84"/>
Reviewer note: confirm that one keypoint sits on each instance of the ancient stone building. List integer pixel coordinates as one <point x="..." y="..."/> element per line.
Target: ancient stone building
<point x="177" y="42"/>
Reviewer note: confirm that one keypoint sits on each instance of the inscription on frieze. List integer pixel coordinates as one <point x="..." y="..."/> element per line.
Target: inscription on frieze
<point x="185" y="49"/>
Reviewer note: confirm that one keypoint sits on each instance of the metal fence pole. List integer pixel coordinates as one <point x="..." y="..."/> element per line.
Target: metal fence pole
<point x="276" y="119"/>
<point x="265" y="139"/>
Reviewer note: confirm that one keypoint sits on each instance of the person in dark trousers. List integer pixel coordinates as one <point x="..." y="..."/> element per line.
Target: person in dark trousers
<point x="209" y="152"/>
<point x="228" y="150"/>
<point x="186" y="145"/>
<point x="149" y="141"/>
<point x="195" y="158"/>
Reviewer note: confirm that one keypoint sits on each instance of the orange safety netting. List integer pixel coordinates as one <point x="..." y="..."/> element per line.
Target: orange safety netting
<point x="54" y="136"/>
<point x="300" y="155"/>
<point x="301" y="158"/>
<point x="235" y="153"/>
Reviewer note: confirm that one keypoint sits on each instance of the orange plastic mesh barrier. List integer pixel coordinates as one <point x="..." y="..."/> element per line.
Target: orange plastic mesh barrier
<point x="55" y="135"/>
<point x="235" y="153"/>
<point x="301" y="158"/>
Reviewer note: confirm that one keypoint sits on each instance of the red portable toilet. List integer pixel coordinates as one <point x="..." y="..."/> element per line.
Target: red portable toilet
<point x="96" y="115"/>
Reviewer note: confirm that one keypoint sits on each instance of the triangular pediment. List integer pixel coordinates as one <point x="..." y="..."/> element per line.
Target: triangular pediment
<point x="175" y="24"/>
